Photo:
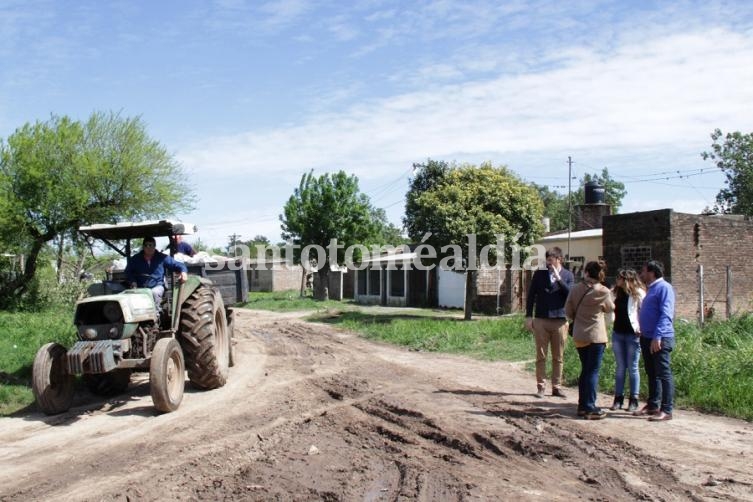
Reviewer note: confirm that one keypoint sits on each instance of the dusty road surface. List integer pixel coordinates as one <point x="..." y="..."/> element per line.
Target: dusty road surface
<point x="315" y="413"/>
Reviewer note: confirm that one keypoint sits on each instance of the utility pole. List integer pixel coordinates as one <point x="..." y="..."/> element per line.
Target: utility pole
<point x="569" y="203"/>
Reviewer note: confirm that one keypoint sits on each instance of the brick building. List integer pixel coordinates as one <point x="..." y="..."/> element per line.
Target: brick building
<point x="682" y="242"/>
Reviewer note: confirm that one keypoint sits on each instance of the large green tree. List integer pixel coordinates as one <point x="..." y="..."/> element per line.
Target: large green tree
<point x="733" y="154"/>
<point x="60" y="174"/>
<point x="324" y="208"/>
<point x="452" y="201"/>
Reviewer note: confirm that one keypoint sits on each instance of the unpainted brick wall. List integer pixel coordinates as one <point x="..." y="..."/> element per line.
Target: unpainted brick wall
<point x="682" y="242"/>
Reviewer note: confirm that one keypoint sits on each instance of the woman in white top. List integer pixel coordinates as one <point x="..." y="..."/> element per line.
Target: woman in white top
<point x="629" y="293"/>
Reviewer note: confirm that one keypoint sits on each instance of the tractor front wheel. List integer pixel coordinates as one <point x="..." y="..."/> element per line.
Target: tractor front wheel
<point x="52" y="385"/>
<point x="167" y="375"/>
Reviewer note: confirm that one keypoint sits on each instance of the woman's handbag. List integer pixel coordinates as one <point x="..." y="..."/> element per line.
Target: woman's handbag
<point x="572" y="324"/>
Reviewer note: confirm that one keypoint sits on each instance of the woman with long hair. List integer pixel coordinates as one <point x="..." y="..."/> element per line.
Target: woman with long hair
<point x="626" y="334"/>
<point x="586" y="305"/>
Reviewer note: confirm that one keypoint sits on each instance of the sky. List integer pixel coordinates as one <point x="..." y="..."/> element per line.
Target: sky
<point x="249" y="96"/>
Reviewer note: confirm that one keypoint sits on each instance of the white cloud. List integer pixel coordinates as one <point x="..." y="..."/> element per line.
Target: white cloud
<point x="669" y="91"/>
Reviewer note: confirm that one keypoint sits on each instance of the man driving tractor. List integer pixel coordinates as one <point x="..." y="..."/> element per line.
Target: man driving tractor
<point x="146" y="269"/>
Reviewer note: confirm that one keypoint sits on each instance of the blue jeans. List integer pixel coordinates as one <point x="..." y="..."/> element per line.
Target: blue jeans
<point x="661" y="384"/>
<point x="627" y="351"/>
<point x="588" y="381"/>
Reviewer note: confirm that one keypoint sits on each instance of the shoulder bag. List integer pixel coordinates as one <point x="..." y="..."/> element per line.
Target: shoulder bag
<point x="572" y="324"/>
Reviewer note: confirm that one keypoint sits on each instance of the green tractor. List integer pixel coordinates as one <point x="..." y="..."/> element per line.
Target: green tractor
<point x="121" y="331"/>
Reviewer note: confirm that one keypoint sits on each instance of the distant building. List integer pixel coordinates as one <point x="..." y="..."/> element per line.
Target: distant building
<point x="273" y="275"/>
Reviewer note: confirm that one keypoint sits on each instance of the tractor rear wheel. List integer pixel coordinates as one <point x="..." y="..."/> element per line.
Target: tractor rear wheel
<point x="167" y="378"/>
<point x="108" y="384"/>
<point x="52" y="385"/>
<point x="205" y="339"/>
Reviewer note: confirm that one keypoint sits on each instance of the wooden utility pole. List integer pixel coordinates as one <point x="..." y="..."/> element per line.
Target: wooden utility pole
<point x="569" y="204"/>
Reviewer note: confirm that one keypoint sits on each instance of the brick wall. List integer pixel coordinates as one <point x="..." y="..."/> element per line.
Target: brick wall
<point x="588" y="216"/>
<point x="682" y="242"/>
<point x="510" y="294"/>
<point x="714" y="242"/>
<point x="631" y="239"/>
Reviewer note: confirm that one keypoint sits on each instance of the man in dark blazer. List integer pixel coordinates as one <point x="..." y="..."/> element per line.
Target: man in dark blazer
<point x="545" y="318"/>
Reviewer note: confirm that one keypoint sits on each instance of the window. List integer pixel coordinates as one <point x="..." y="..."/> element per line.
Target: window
<point x="635" y="256"/>
<point x="397" y="282"/>
<point x="374" y="281"/>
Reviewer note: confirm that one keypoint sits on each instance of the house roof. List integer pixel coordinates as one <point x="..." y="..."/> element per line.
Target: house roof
<point x="392" y="257"/>
<point x="580" y="234"/>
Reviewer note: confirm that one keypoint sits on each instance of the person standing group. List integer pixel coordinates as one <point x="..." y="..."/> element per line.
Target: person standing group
<point x="629" y="292"/>
<point x="586" y="305"/>
<point x="656" y="319"/>
<point x="545" y="318"/>
<point x="643" y="325"/>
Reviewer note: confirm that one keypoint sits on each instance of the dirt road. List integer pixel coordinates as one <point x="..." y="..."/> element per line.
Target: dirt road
<point x="314" y="413"/>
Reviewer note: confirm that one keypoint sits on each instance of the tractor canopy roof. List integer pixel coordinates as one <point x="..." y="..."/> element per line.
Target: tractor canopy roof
<point x="138" y="230"/>
<point x="110" y="233"/>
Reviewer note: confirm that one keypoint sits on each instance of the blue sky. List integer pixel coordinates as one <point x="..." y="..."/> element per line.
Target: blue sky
<point x="250" y="95"/>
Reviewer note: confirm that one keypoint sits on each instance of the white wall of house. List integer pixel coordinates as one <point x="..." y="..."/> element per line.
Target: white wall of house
<point x="451" y="288"/>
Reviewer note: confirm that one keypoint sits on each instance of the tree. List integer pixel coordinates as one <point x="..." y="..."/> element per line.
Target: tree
<point x="325" y="208"/>
<point x="734" y="156"/>
<point x="426" y="177"/>
<point x="555" y="207"/>
<point x="453" y="201"/>
<point x="263" y="242"/>
<point x="386" y="232"/>
<point x="60" y="174"/>
<point x="233" y="241"/>
<point x="614" y="191"/>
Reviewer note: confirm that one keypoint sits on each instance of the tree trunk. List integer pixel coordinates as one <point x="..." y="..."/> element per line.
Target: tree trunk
<point x="469" y="294"/>
<point x="59" y="262"/>
<point x="20" y="284"/>
<point x="303" y="281"/>
<point x="321" y="286"/>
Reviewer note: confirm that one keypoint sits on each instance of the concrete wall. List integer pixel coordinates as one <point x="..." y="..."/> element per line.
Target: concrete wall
<point x="281" y="278"/>
<point x="582" y="250"/>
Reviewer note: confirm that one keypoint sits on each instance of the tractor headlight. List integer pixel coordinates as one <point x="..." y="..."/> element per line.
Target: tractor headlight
<point x="112" y="312"/>
<point x="90" y="333"/>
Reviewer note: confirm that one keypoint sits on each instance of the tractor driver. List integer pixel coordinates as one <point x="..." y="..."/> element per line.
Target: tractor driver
<point x="146" y="269"/>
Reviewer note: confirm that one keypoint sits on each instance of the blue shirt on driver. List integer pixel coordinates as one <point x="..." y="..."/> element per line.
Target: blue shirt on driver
<point x="150" y="274"/>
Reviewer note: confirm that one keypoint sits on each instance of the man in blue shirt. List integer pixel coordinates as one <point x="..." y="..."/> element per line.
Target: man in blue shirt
<point x="183" y="247"/>
<point x="656" y="318"/>
<point x="545" y="318"/>
<point x="146" y="269"/>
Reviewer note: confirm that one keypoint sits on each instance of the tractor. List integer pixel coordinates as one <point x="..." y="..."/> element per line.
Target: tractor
<point x="121" y="331"/>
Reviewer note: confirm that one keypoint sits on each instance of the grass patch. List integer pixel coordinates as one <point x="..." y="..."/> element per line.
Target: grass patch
<point x="21" y="335"/>
<point x="490" y="339"/>
<point x="288" y="301"/>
